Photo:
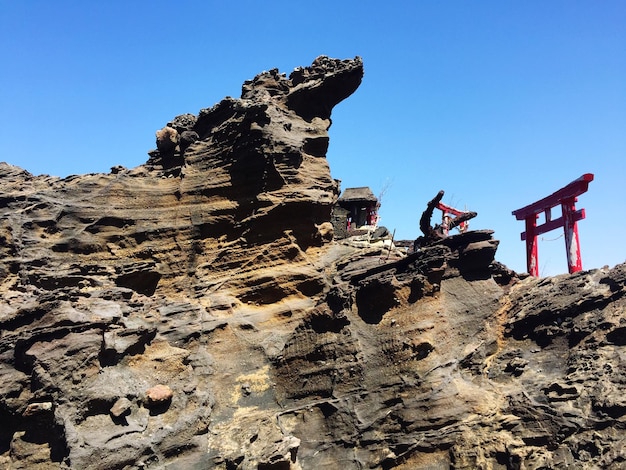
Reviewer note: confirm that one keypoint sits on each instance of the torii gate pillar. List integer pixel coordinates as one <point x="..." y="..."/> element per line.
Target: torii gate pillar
<point x="572" y="245"/>
<point x="566" y="197"/>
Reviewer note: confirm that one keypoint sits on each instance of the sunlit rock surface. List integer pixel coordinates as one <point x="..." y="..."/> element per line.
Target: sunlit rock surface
<point x="194" y="312"/>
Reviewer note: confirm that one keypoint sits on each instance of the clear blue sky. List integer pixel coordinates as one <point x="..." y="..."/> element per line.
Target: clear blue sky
<point x="499" y="103"/>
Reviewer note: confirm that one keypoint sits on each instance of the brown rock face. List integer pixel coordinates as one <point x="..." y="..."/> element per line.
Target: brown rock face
<point x="194" y="312"/>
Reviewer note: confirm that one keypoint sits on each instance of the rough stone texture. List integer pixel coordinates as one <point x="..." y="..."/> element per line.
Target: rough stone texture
<point x="211" y="270"/>
<point x="159" y="394"/>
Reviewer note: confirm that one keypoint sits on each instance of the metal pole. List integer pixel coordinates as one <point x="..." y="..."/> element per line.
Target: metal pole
<point x="393" y="235"/>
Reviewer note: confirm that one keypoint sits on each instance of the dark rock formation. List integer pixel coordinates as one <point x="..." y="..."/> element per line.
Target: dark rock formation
<point x="194" y="312"/>
<point x="433" y="234"/>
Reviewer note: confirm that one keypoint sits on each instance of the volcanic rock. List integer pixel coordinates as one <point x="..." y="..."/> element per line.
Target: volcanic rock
<point x="212" y="271"/>
<point x="159" y="395"/>
<point x="121" y="407"/>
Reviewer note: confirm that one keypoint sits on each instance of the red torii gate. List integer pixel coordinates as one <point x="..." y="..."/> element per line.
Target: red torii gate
<point x="445" y="209"/>
<point x="566" y="197"/>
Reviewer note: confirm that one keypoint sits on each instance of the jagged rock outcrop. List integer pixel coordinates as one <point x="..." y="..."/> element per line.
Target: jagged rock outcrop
<point x="194" y="312"/>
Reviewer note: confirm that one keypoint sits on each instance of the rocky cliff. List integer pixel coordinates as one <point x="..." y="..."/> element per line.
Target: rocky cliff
<point x="195" y="312"/>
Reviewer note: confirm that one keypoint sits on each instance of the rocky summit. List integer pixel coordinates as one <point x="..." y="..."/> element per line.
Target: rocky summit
<point x="197" y="312"/>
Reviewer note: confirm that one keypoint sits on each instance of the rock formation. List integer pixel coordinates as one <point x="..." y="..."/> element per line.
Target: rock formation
<point x="195" y="312"/>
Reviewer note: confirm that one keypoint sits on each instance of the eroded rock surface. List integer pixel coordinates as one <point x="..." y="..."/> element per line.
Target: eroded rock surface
<point x="194" y="312"/>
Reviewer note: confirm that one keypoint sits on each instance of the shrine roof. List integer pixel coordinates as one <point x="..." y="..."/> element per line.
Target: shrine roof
<point x="360" y="194"/>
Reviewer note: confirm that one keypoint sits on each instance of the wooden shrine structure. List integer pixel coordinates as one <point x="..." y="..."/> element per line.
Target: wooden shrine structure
<point x="446" y="220"/>
<point x="566" y="197"/>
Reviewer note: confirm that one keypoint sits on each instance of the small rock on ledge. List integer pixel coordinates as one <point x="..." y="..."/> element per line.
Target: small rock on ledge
<point x="159" y="394"/>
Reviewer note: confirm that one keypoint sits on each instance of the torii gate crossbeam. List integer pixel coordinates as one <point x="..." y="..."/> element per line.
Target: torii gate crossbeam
<point x="566" y="197"/>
